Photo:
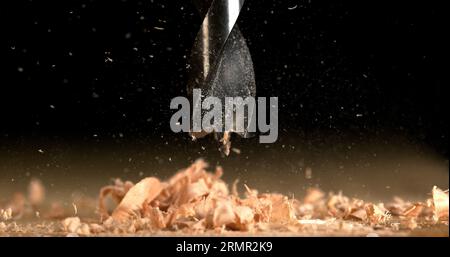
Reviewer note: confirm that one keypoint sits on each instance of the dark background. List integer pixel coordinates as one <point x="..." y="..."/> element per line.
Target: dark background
<point x="98" y="77"/>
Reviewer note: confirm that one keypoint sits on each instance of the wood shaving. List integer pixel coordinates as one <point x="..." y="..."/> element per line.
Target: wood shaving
<point x="6" y="214"/>
<point x="197" y="202"/>
<point x="72" y="224"/>
<point x="36" y="192"/>
<point x="440" y="203"/>
<point x="142" y="193"/>
<point x="226" y="143"/>
<point x="195" y="199"/>
<point x="376" y="214"/>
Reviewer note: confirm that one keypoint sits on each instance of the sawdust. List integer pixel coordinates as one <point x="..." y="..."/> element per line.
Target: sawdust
<point x="197" y="202"/>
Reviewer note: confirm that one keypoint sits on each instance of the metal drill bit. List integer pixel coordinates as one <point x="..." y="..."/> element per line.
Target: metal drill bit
<point x="220" y="63"/>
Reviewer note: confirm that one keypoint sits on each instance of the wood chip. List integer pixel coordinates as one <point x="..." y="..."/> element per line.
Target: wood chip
<point x="143" y="192"/>
<point x="440" y="201"/>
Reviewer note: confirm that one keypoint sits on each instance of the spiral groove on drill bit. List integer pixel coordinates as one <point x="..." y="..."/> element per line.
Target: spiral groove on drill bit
<point x="220" y="63"/>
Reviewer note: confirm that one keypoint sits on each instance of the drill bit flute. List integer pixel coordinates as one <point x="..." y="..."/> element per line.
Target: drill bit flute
<point x="220" y="63"/>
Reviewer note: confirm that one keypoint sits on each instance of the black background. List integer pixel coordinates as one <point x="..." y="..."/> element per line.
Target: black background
<point x="98" y="71"/>
<point x="281" y="245"/>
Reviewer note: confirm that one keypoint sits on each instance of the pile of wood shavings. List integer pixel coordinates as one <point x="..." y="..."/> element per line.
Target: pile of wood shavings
<point x="197" y="202"/>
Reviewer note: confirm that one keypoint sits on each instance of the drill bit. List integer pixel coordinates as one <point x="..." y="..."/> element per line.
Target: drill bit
<point x="220" y="63"/>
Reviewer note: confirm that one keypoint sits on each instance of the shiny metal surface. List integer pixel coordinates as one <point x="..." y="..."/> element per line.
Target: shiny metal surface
<point x="220" y="63"/>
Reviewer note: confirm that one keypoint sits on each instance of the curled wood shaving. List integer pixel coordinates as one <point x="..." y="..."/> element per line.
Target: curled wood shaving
<point x="339" y="205"/>
<point x="440" y="203"/>
<point x="195" y="200"/>
<point x="116" y="192"/>
<point x="143" y="192"/>
<point x="376" y="214"/>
